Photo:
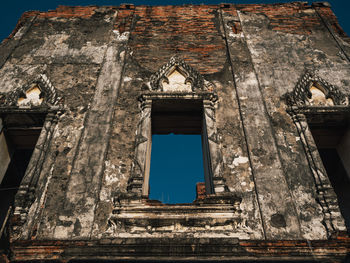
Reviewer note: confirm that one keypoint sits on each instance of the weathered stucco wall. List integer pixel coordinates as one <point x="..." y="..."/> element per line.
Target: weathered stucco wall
<point x="101" y="58"/>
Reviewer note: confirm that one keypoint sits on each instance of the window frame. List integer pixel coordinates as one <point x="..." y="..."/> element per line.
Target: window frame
<point x="139" y="180"/>
<point x="299" y="105"/>
<point x="51" y="105"/>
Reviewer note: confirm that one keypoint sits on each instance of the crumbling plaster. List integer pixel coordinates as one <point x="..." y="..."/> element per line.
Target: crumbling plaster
<point x="100" y="63"/>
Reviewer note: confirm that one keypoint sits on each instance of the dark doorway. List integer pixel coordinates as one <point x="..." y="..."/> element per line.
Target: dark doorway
<point x="332" y="137"/>
<point x="19" y="135"/>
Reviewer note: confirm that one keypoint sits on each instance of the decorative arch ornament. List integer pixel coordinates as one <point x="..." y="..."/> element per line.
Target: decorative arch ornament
<point x="302" y="102"/>
<point x="38" y="96"/>
<point x="198" y="89"/>
<point x="302" y="92"/>
<point x="133" y="209"/>
<point x="44" y="95"/>
<point x="191" y="77"/>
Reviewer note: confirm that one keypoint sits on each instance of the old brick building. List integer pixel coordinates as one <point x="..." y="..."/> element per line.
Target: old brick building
<point x="84" y="88"/>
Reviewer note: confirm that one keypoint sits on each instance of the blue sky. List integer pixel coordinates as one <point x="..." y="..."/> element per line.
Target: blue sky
<point x="184" y="151"/>
<point x="176" y="167"/>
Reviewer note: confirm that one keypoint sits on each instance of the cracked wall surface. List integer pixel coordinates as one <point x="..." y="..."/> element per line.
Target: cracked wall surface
<point x="101" y="61"/>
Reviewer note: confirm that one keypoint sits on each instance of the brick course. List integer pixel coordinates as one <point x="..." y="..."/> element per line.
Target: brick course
<point x="188" y="31"/>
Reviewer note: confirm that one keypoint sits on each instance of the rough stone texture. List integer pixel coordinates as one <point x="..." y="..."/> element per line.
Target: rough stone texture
<point x="81" y="197"/>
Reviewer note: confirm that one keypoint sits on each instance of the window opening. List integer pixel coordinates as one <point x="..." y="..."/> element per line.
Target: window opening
<point x="18" y="138"/>
<point x="176" y="168"/>
<point x="179" y="151"/>
<point x="332" y="139"/>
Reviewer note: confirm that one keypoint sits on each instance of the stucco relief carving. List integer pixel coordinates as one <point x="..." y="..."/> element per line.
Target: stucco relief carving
<point x="311" y="90"/>
<point x="39" y="92"/>
<point x="313" y="96"/>
<point x="213" y="215"/>
<point x="141" y="149"/>
<point x="318" y="97"/>
<point x="176" y="80"/>
<point x="177" y="75"/>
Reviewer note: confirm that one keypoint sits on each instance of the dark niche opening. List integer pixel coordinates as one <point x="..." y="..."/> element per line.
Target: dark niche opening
<point x="180" y="153"/>
<point x="332" y="136"/>
<point x="18" y="136"/>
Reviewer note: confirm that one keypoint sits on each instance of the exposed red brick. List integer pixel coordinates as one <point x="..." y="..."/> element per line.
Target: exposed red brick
<point x="163" y="31"/>
<point x="327" y="14"/>
<point x="288" y="247"/>
<point x="124" y="19"/>
<point x="200" y="191"/>
<point x="341" y="236"/>
<point x="3" y="258"/>
<point x="20" y="23"/>
<point x="184" y="21"/>
<point x="25" y="249"/>
<point x="70" y="11"/>
<point x="236" y="27"/>
<point x="287" y="17"/>
<point x="64" y="12"/>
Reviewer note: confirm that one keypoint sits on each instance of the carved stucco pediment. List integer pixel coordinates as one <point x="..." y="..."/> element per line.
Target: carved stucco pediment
<point x="311" y="90"/>
<point x="177" y="76"/>
<point x="38" y="93"/>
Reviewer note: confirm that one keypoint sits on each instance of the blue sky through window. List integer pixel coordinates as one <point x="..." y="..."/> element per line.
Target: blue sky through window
<point x="176" y="167"/>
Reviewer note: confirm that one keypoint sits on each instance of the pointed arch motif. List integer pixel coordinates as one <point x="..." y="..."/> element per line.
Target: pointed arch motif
<point x="191" y="76"/>
<point x="38" y="98"/>
<point x="39" y="92"/>
<point x="302" y="95"/>
<point x="314" y="97"/>
<point x="185" y="84"/>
